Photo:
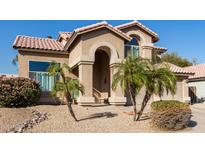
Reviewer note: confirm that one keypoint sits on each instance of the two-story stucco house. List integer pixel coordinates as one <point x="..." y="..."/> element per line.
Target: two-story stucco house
<point x="92" y="51"/>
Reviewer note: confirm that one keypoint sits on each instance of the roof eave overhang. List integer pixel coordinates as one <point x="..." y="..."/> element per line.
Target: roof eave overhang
<point x="161" y="51"/>
<point x="196" y="79"/>
<point x="41" y="51"/>
<point x="155" y="37"/>
<point x="155" y="49"/>
<point x="183" y="74"/>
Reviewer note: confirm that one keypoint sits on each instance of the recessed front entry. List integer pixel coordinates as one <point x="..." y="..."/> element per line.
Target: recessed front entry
<point x="101" y="76"/>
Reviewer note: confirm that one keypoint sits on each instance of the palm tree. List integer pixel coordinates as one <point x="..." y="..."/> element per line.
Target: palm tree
<point x="66" y="85"/>
<point x="158" y="79"/>
<point x="130" y="76"/>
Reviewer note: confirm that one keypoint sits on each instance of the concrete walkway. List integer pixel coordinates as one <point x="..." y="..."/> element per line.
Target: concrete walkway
<point x="198" y="119"/>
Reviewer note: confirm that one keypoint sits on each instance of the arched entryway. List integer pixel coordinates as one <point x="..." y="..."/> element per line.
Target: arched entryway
<point x="101" y="75"/>
<point x="96" y="71"/>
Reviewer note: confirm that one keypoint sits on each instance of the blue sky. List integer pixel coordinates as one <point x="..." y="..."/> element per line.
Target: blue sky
<point x="187" y="38"/>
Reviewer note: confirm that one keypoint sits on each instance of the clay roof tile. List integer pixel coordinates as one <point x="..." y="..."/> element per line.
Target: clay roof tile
<point x="26" y="42"/>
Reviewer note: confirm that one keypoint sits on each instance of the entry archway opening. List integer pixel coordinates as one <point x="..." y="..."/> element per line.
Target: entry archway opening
<point x="101" y="74"/>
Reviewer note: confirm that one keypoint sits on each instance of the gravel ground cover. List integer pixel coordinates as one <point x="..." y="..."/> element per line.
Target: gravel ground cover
<point x="92" y="119"/>
<point x="101" y="119"/>
<point x="9" y="117"/>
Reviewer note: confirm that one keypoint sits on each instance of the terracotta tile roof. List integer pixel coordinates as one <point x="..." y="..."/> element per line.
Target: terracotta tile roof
<point x="135" y="22"/>
<point x="90" y="27"/>
<point x="65" y="35"/>
<point x="198" y="69"/>
<point x="160" y="49"/>
<point x="103" y="23"/>
<point x="26" y="42"/>
<point x="99" y="25"/>
<point x="178" y="70"/>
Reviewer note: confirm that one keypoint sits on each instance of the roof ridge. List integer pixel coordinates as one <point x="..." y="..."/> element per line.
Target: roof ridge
<point x="90" y="26"/>
<point x="195" y="65"/>
<point x="64" y="32"/>
<point x="35" y="37"/>
<point x="16" y="40"/>
<point x="140" y="24"/>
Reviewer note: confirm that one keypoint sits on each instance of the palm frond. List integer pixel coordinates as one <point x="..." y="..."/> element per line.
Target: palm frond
<point x="54" y="69"/>
<point x="65" y="66"/>
<point x="15" y="60"/>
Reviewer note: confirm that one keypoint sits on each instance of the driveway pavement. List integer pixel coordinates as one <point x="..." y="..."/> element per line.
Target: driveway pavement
<point x="198" y="119"/>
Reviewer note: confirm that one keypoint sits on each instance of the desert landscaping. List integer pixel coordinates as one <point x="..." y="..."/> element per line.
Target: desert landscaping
<point x="99" y="119"/>
<point x="125" y="84"/>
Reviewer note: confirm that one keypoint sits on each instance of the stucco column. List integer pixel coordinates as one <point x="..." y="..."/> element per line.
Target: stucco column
<point x="86" y="78"/>
<point x="185" y="92"/>
<point x="23" y="68"/>
<point x="116" y="96"/>
<point x="146" y="52"/>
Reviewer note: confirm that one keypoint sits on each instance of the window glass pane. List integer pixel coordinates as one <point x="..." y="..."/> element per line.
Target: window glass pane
<point x="135" y="51"/>
<point x="38" y="66"/>
<point x="38" y="72"/>
<point x="133" y="42"/>
<point x="132" y="48"/>
<point x="128" y="50"/>
<point x="44" y="79"/>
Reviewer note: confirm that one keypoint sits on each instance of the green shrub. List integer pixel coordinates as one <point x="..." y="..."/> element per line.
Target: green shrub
<point x="170" y="115"/>
<point x="19" y="92"/>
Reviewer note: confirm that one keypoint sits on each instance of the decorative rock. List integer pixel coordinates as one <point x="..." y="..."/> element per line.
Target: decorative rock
<point x="38" y="117"/>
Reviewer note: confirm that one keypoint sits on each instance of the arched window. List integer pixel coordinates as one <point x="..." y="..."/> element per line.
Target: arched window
<point x="132" y="48"/>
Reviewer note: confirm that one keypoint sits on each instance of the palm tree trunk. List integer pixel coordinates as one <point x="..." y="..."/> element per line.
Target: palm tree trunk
<point x="144" y="104"/>
<point x="132" y="96"/>
<point x="70" y="109"/>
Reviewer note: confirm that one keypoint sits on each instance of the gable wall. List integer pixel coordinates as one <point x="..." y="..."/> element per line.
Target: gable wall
<point x="75" y="53"/>
<point x="148" y="38"/>
<point x="143" y="39"/>
<point x="103" y="35"/>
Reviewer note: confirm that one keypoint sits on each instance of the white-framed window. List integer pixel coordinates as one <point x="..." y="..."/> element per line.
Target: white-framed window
<point x="132" y="48"/>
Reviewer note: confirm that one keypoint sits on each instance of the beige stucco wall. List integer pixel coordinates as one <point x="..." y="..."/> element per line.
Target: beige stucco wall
<point x="181" y="91"/>
<point x="75" y="53"/>
<point x="82" y="48"/>
<point x="103" y="35"/>
<point x="25" y="56"/>
<point x="86" y="79"/>
<point x="181" y="94"/>
<point x="83" y="55"/>
<point x="143" y="38"/>
<point x="23" y="66"/>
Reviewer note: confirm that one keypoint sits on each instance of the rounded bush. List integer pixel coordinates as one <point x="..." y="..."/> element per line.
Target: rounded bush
<point x="170" y="115"/>
<point x="19" y="92"/>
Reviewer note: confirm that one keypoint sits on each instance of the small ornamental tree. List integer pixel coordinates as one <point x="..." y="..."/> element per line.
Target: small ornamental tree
<point x="158" y="80"/>
<point x="65" y="85"/>
<point x="130" y="76"/>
